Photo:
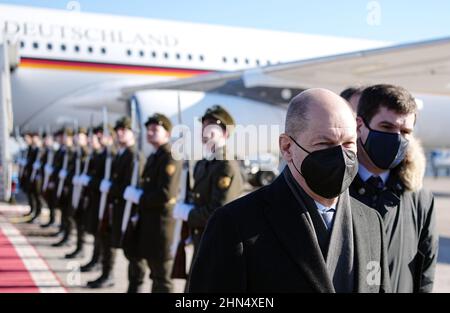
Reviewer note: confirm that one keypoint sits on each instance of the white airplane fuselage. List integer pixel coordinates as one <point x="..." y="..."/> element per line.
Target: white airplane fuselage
<point x="72" y="64"/>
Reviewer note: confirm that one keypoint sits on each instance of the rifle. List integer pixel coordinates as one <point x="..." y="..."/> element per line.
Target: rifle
<point x="78" y="189"/>
<point x="135" y="175"/>
<point x="108" y="164"/>
<point x="48" y="169"/>
<point x="181" y="230"/>
<point x="77" y="171"/>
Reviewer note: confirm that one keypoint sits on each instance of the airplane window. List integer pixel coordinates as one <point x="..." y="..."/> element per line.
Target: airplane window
<point x="63" y="47"/>
<point x="257" y="62"/>
<point x="177" y="56"/>
<point x="141" y="53"/>
<point x="103" y="50"/>
<point x="154" y="54"/>
<point x="22" y="44"/>
<point x="49" y="46"/>
<point x="246" y="61"/>
<point x="224" y="59"/>
<point x="202" y="58"/>
<point x="90" y="49"/>
<point x="236" y="60"/>
<point x="77" y="49"/>
<point x="166" y="55"/>
<point x="268" y="62"/>
<point x="189" y="57"/>
<point x="35" y="45"/>
<point x="129" y="53"/>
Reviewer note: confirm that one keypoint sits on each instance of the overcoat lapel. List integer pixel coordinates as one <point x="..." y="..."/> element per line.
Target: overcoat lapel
<point x="294" y="229"/>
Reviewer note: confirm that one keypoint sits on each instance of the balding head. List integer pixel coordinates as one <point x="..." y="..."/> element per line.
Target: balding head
<point x="311" y="104"/>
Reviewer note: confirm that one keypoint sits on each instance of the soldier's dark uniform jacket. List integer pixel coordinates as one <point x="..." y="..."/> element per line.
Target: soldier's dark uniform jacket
<point x="96" y="172"/>
<point x="216" y="182"/>
<point x="58" y="160"/>
<point x="38" y="180"/>
<point x="121" y="172"/>
<point x="160" y="182"/>
<point x="66" y="196"/>
<point x="28" y="169"/>
<point x="409" y="219"/>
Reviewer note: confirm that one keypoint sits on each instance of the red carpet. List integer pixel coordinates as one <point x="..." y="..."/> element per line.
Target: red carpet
<point x="14" y="276"/>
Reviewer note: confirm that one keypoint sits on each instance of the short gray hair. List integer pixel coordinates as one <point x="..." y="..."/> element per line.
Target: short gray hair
<point x="297" y="114"/>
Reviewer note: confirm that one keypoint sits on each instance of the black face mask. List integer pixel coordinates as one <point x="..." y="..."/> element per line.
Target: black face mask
<point x="328" y="172"/>
<point x="386" y="150"/>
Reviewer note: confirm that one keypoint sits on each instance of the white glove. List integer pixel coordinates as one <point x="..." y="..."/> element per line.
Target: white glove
<point x="36" y="165"/>
<point x="182" y="210"/>
<point x="84" y="180"/>
<point x="127" y="193"/>
<point x="48" y="169"/>
<point x="76" y="180"/>
<point x="105" y="185"/>
<point x="62" y="174"/>
<point x="132" y="194"/>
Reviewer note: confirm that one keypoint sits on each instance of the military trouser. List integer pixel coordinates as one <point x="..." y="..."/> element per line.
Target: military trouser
<point x="160" y="274"/>
<point x="80" y="227"/>
<point x="35" y="202"/>
<point x="67" y="222"/>
<point x="196" y="236"/>
<point x="51" y="203"/>
<point x="97" y="253"/>
<point x="108" y="253"/>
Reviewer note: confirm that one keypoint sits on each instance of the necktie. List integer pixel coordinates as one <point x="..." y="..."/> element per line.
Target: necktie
<point x="376" y="182"/>
<point x="327" y="216"/>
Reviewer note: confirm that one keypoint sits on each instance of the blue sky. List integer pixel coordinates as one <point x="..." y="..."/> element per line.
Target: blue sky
<point x="393" y="20"/>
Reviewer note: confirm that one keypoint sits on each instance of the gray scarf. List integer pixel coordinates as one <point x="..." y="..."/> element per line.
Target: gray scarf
<point x="337" y="249"/>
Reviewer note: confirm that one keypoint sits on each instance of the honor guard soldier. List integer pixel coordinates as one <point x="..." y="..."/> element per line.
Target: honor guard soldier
<point x="46" y="171"/>
<point x="24" y="178"/>
<point x="76" y="214"/>
<point x="52" y="170"/>
<point x="150" y="233"/>
<point x="101" y="143"/>
<point x="34" y="183"/>
<point x="217" y="180"/>
<point x="121" y="171"/>
<point x="64" y="185"/>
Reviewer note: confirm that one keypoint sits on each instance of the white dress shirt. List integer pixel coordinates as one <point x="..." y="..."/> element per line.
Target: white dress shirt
<point x="365" y="174"/>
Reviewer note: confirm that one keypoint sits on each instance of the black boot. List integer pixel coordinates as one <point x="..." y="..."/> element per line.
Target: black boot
<point x="78" y="253"/>
<point x="63" y="242"/>
<point x="104" y="281"/>
<point x="33" y="219"/>
<point x="49" y="224"/>
<point x="92" y="266"/>
<point x="135" y="288"/>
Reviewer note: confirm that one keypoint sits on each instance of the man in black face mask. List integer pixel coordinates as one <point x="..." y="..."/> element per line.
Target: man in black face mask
<point x="302" y="233"/>
<point x="391" y="168"/>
